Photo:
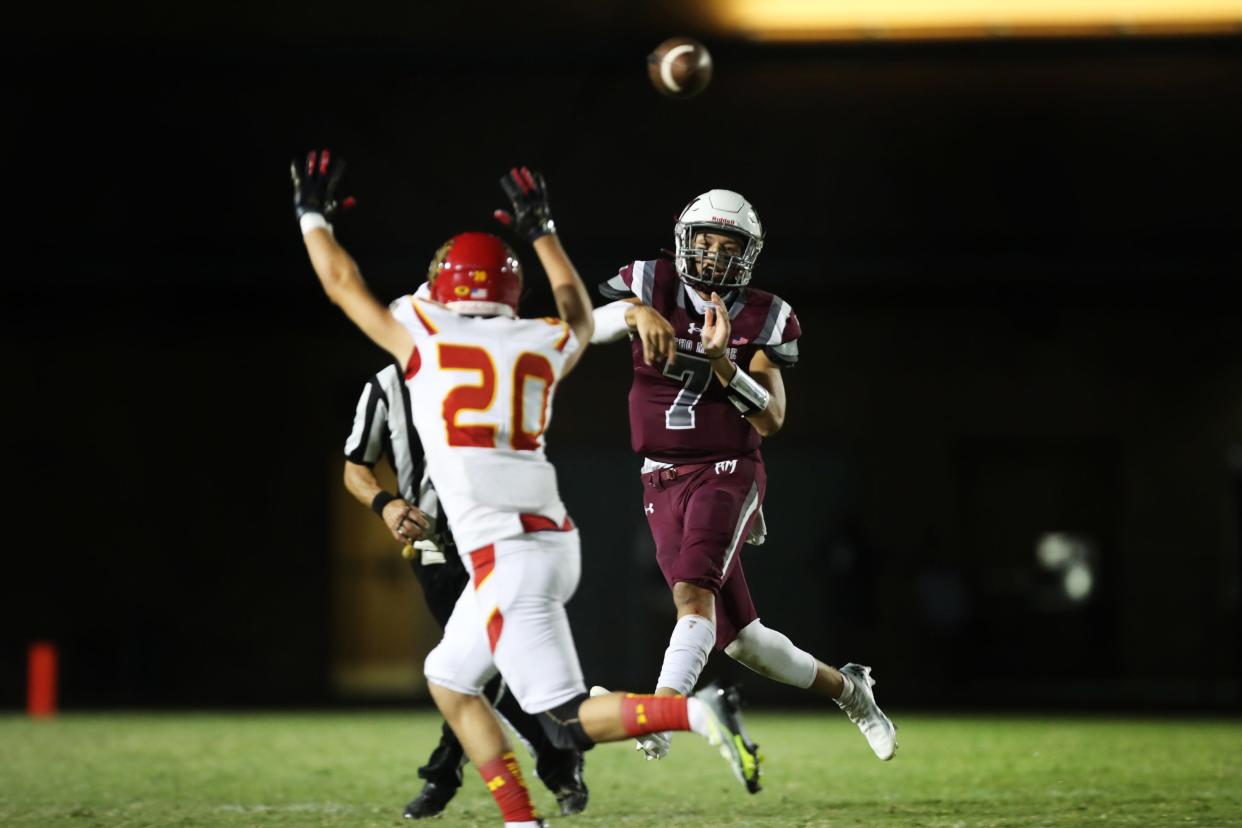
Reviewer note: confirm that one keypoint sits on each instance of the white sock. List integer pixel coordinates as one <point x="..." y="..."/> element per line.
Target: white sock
<point x="699" y="716"/>
<point x="523" y="824"/>
<point x="688" y="648"/>
<point x="846" y="691"/>
<point x="771" y="653"/>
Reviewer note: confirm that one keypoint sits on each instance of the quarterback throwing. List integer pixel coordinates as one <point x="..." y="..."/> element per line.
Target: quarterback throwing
<point x="708" y="352"/>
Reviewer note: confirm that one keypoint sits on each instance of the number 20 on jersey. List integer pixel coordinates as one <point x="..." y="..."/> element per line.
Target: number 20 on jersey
<point x="481" y="396"/>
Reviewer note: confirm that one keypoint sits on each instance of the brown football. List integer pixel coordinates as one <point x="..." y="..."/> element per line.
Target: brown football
<point x="680" y="67"/>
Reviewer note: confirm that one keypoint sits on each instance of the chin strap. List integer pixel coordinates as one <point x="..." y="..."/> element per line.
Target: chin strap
<point x="746" y="394"/>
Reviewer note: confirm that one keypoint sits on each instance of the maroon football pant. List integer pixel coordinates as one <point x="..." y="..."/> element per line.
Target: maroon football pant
<point x="699" y="516"/>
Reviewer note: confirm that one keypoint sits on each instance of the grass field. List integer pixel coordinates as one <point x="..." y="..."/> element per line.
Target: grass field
<point x="358" y="769"/>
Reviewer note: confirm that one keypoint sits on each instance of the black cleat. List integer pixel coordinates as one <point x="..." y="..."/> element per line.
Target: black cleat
<point x="566" y="783"/>
<point x="728" y="733"/>
<point x="430" y="801"/>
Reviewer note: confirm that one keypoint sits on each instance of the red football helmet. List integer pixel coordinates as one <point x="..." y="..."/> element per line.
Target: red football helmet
<point x="476" y="273"/>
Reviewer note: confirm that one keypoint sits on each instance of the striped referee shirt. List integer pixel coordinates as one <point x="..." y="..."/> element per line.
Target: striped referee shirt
<point x="384" y="425"/>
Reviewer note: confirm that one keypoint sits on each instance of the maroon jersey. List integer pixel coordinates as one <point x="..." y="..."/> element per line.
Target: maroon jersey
<point x="679" y="412"/>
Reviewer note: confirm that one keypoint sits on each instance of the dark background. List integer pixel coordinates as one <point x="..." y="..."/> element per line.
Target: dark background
<point x="1015" y="262"/>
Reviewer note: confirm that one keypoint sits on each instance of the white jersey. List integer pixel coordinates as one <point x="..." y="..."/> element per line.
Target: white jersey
<point x="481" y="389"/>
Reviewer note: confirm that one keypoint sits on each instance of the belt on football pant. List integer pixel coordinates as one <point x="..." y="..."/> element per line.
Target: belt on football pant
<point x="670" y="473"/>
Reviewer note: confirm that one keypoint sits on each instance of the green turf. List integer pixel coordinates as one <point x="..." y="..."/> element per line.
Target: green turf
<point x="358" y="770"/>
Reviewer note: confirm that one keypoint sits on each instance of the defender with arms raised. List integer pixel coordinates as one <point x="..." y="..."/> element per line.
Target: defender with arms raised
<point x="383" y="425"/>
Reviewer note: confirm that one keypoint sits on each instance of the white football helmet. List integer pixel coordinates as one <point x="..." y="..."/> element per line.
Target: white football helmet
<point x="717" y="211"/>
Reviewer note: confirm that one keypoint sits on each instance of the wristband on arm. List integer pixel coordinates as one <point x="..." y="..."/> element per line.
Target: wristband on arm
<point x="313" y="221"/>
<point x="746" y="394"/>
<point x="381" y="499"/>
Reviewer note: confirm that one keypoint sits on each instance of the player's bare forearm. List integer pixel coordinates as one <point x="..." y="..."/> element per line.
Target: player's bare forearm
<point x="724" y="369"/>
<point x="765" y="372"/>
<point x="771" y="419"/>
<point x="630" y="312"/>
<point x="337" y="271"/>
<point x="361" y="482"/>
<point x="573" y="303"/>
<point x="768" y="374"/>
<point x="405" y="521"/>
<point x="342" y="282"/>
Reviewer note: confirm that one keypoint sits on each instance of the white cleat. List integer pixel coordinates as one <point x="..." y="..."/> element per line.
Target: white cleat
<point x="863" y="711"/>
<point x="653" y="745"/>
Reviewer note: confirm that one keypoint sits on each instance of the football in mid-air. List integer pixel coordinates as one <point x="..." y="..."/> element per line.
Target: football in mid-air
<point x="680" y="67"/>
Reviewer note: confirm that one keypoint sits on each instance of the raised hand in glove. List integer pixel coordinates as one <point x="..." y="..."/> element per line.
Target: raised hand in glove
<point x="315" y="183"/>
<point x="527" y="192"/>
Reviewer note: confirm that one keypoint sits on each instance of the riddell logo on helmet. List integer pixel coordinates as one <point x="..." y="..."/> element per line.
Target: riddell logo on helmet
<point x="723" y="220"/>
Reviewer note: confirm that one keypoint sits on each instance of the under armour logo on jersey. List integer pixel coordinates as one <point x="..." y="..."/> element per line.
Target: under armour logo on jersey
<point x="726" y="466"/>
<point x="650" y="509"/>
<point x="693" y="329"/>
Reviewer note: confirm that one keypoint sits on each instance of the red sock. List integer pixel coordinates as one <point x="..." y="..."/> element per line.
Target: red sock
<point x="641" y="715"/>
<point x="503" y="778"/>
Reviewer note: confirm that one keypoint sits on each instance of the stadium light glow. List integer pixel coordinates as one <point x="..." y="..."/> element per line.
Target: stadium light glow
<point x="814" y="20"/>
<point x="1072" y="557"/>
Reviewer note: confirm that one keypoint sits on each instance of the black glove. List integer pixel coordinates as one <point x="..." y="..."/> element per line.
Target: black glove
<point x="532" y="217"/>
<point x="314" y="186"/>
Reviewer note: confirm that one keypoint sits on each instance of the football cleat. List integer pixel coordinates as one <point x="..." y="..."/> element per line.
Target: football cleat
<point x="727" y="732"/>
<point x="863" y="711"/>
<point x="653" y="745"/>
<point x="566" y="782"/>
<point x="430" y="801"/>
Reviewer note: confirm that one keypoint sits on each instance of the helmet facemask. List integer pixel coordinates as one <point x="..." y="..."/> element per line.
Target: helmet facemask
<point x="712" y="269"/>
